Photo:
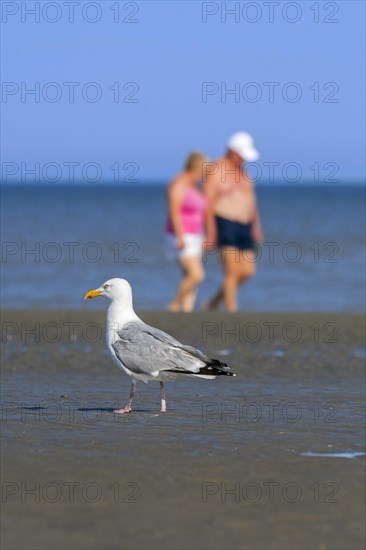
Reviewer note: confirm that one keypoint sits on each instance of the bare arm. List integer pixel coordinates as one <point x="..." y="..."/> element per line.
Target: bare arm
<point x="257" y="232"/>
<point x="211" y="195"/>
<point x="175" y="200"/>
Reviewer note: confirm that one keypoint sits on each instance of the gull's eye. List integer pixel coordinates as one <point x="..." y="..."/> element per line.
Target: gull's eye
<point x="106" y="286"/>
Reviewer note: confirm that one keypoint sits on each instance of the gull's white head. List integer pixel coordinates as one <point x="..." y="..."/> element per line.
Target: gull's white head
<point x="113" y="289"/>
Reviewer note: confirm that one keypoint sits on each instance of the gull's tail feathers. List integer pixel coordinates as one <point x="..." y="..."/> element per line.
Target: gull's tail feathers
<point x="210" y="370"/>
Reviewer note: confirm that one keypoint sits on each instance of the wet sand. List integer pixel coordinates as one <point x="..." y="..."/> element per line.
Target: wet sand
<point x="235" y="463"/>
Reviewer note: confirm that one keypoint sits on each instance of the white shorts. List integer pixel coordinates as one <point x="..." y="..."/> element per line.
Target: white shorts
<point x="192" y="246"/>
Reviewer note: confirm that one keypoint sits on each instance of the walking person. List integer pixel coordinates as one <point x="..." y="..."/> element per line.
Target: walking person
<point x="233" y="223"/>
<point x="185" y="230"/>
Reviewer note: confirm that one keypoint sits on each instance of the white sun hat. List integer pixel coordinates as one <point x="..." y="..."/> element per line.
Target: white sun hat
<point x="243" y="144"/>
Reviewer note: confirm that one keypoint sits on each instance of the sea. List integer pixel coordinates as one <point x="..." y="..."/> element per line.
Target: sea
<point x="59" y="241"/>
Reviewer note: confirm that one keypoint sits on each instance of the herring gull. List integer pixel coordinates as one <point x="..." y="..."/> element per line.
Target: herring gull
<point x="147" y="353"/>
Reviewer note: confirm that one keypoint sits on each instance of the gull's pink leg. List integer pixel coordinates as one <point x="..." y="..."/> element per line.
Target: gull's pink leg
<point x="163" y="397"/>
<point x="128" y="407"/>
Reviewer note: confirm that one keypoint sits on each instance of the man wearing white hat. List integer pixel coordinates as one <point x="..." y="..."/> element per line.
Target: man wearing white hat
<point x="233" y="223"/>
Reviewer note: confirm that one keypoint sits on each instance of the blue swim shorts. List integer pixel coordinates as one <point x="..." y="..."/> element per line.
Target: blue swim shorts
<point x="235" y="234"/>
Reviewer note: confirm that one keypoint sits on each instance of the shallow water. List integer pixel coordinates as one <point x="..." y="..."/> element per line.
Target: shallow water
<point x="336" y="455"/>
<point x="59" y="241"/>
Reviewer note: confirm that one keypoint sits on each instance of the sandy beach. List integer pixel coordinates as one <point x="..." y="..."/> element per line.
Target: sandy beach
<point x="235" y="463"/>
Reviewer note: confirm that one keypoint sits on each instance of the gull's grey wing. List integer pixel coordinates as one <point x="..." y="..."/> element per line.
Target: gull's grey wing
<point x="147" y="350"/>
<point x="166" y="338"/>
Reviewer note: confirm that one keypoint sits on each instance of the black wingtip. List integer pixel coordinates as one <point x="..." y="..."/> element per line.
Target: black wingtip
<point x="216" y="368"/>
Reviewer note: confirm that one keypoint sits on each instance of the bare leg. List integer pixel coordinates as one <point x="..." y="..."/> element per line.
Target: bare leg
<point x="239" y="266"/>
<point x="163" y="397"/>
<point x="215" y="301"/>
<point x="174" y="306"/>
<point x="231" y="285"/>
<point x="193" y="276"/>
<point x="189" y="301"/>
<point x="128" y="407"/>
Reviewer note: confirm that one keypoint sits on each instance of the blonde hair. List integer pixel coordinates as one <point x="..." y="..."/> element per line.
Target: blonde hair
<point x="195" y="161"/>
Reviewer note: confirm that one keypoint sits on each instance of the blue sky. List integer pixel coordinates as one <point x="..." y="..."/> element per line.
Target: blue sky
<point x="169" y="54"/>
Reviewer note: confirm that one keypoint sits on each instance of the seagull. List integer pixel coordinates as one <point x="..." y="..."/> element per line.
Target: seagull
<point x="147" y="353"/>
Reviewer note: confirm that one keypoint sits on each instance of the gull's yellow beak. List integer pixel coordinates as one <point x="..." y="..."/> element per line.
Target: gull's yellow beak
<point x="92" y="294"/>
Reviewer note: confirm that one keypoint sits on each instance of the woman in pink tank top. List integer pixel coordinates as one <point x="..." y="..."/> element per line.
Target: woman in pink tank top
<point x="185" y="230"/>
